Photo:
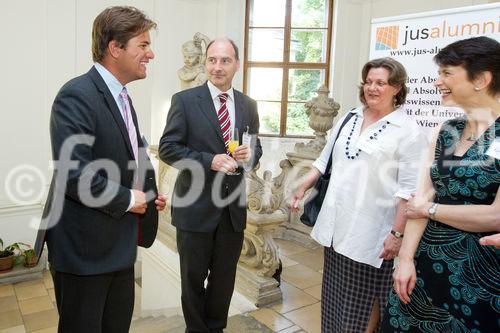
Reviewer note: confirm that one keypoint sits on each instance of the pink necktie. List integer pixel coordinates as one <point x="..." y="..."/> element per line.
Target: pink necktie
<point x="224" y="121"/>
<point x="129" y="122"/>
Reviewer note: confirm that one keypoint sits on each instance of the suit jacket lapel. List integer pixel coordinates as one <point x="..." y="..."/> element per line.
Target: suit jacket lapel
<point x="136" y="123"/>
<point x="239" y="111"/>
<point x="207" y="107"/>
<point x="113" y="108"/>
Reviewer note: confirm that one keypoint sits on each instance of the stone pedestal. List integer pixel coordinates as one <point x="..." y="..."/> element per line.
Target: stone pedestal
<point x="257" y="289"/>
<point x="259" y="259"/>
<point x="166" y="180"/>
<point x="293" y="229"/>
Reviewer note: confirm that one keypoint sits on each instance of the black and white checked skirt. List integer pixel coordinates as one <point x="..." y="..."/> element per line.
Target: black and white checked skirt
<point x="349" y="290"/>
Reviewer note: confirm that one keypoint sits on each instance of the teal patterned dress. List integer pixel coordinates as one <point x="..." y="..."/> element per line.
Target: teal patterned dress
<point x="458" y="280"/>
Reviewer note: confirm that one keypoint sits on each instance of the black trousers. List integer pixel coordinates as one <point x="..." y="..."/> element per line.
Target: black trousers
<point x="94" y="303"/>
<point x="212" y="256"/>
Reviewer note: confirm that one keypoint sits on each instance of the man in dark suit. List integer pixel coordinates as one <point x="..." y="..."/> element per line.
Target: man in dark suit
<point x="97" y="211"/>
<point x="209" y="204"/>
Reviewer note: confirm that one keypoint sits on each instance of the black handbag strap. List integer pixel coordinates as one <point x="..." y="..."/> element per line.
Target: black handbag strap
<point x="329" y="164"/>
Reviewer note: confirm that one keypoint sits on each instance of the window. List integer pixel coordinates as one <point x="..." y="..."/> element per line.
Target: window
<point x="287" y="57"/>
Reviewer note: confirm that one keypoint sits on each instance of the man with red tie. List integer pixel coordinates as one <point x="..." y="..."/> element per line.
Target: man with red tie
<point x="209" y="201"/>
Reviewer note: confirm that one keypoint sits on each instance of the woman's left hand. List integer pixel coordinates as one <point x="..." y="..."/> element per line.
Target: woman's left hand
<point x="391" y="247"/>
<point x="405" y="277"/>
<point x="417" y="208"/>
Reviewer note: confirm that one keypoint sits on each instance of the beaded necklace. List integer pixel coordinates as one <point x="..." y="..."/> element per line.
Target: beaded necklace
<point x="372" y="137"/>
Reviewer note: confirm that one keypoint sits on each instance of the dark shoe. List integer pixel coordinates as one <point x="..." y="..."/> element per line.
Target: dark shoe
<point x="277" y="274"/>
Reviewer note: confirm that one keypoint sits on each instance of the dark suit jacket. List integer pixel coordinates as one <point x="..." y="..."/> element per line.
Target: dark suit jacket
<point x="87" y="240"/>
<point x="192" y="133"/>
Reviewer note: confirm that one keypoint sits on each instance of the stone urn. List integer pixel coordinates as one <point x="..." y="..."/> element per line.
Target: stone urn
<point x="321" y="111"/>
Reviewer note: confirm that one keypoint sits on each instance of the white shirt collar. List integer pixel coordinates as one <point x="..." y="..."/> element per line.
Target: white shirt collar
<point x="396" y="117"/>
<point x="215" y="92"/>
<point x="115" y="87"/>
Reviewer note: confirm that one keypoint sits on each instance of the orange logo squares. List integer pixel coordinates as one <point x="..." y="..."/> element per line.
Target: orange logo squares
<point x="387" y="38"/>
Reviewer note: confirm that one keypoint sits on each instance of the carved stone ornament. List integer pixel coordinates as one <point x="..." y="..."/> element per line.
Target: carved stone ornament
<point x="259" y="249"/>
<point x="321" y="111"/>
<point x="192" y="74"/>
<point x="265" y="195"/>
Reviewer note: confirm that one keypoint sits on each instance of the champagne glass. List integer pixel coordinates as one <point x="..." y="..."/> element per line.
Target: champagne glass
<point x="234" y="141"/>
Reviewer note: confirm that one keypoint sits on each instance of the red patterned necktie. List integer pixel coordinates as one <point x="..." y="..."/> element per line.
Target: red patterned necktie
<point x="224" y="121"/>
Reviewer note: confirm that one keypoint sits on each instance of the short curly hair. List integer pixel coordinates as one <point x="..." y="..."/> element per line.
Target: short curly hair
<point x="397" y="78"/>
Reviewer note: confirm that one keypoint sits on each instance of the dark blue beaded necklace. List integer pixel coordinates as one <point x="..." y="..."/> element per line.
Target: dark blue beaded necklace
<point x="372" y="137"/>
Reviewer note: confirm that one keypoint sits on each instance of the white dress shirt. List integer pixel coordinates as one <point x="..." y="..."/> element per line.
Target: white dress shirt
<point x="114" y="86"/>
<point x="360" y="203"/>
<point x="215" y="92"/>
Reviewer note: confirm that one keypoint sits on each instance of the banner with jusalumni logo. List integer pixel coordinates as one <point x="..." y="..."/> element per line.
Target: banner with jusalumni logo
<point x="415" y="39"/>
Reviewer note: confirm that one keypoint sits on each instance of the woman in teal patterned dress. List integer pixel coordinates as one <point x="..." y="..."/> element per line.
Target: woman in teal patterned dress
<point x="454" y="283"/>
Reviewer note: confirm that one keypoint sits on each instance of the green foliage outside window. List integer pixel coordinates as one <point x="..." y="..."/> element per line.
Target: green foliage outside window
<point x="272" y="122"/>
<point x="297" y="121"/>
<point x="307" y="46"/>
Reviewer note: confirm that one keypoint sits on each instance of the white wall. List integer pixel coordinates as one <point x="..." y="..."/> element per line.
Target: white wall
<point x="24" y="89"/>
<point x="47" y="42"/>
<point x="24" y="93"/>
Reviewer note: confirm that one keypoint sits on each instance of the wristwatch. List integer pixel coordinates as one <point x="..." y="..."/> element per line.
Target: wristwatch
<point x="397" y="234"/>
<point x="432" y="210"/>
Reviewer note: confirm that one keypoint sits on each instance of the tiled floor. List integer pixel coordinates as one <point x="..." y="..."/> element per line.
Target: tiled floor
<point x="301" y="286"/>
<point x="30" y="306"/>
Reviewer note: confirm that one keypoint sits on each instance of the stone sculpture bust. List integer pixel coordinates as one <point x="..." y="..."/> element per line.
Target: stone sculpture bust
<point x="192" y="74"/>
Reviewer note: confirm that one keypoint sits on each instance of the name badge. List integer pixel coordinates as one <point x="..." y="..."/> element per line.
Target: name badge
<point x="246" y="139"/>
<point x="494" y="150"/>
